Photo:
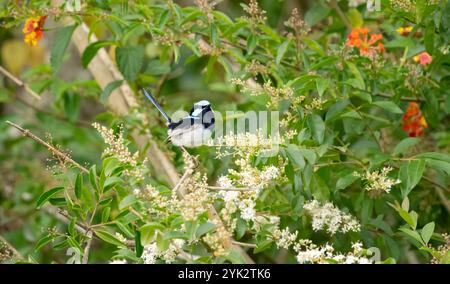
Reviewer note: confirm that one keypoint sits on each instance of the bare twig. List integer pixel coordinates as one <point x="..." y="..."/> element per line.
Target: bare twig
<point x="50" y="147"/>
<point x="244" y="244"/>
<point x="87" y="248"/>
<point x="20" y="83"/>
<point x="80" y="123"/>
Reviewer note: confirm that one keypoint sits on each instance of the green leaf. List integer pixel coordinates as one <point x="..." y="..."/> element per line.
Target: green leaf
<point x="317" y="13"/>
<point x="322" y="85"/>
<point x="410" y="174"/>
<point x="109" y="89"/>
<point x="389" y="106"/>
<point x="405" y="216"/>
<point x="359" y="81"/>
<point x="91" y="50"/>
<point x="345" y="181"/>
<point x="111" y="182"/>
<point x="314" y="46"/>
<point x="130" y="60"/>
<point x="127" y="202"/>
<point x="412" y="234"/>
<point x="317" y="127"/>
<point x="427" y="232"/>
<point x="109" y="238"/>
<point x="71" y="226"/>
<point x="281" y="50"/>
<point x="156" y="68"/>
<point x="355" y="18"/>
<point x="93" y="180"/>
<point x="251" y="43"/>
<point x="241" y="228"/>
<point x="405" y="144"/>
<point x="105" y="214"/>
<point x="421" y="6"/>
<point x="262" y="246"/>
<point x="74" y="244"/>
<point x="47" y="195"/>
<point x="62" y="39"/>
<point x="295" y="156"/>
<point x="204" y="228"/>
<point x="43" y="241"/>
<point x="78" y="185"/>
<point x="148" y="232"/>
<point x="235" y="257"/>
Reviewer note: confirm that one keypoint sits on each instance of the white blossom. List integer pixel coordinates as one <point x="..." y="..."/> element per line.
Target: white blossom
<point x="329" y="218"/>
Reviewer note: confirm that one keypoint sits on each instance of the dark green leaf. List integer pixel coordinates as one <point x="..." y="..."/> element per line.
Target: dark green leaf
<point x="62" y="39"/>
<point x="130" y="60"/>
<point x="47" y="195"/>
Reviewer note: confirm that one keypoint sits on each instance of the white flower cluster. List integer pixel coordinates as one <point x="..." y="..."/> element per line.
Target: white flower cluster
<point x="151" y="252"/>
<point x="118" y="261"/>
<point x="244" y="201"/>
<point x="117" y="148"/>
<point x="329" y="218"/>
<point x="378" y="181"/>
<point x="244" y="143"/>
<point x="308" y="252"/>
<point x="284" y="238"/>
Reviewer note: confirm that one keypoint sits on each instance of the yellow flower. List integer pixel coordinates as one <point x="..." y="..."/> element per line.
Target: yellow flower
<point x="33" y="30"/>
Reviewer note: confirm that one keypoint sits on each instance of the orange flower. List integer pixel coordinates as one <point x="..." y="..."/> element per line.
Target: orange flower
<point x="404" y="31"/>
<point x="33" y="30"/>
<point x="424" y="58"/>
<point x="367" y="45"/>
<point x="413" y="121"/>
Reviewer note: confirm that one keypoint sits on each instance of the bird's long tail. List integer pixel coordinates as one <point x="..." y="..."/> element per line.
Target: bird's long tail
<point x="155" y="103"/>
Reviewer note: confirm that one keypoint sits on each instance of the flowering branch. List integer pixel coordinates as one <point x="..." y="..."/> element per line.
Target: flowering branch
<point x="11" y="248"/>
<point x="64" y="157"/>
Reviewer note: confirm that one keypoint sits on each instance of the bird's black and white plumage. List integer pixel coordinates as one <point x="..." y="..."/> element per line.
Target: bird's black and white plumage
<point x="192" y="131"/>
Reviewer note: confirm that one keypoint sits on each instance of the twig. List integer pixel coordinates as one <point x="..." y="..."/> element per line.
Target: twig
<point x="87" y="248"/>
<point x="80" y="123"/>
<point x="51" y="148"/>
<point x="244" y="244"/>
<point x="15" y="252"/>
<point x="19" y="82"/>
<point x="186" y="175"/>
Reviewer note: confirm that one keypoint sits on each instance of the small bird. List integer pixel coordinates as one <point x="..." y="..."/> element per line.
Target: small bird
<point x="192" y="131"/>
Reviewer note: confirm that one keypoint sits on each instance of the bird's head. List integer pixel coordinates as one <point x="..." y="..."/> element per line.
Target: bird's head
<point x="200" y="107"/>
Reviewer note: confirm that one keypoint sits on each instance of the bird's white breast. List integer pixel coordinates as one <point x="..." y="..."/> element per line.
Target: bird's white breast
<point x="194" y="136"/>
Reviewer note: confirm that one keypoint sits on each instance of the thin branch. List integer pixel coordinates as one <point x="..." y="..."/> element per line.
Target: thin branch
<point x="15" y="252"/>
<point x="50" y="147"/>
<point x="20" y="83"/>
<point x="87" y="248"/>
<point x="79" y="123"/>
<point x="244" y="244"/>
